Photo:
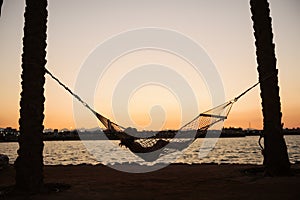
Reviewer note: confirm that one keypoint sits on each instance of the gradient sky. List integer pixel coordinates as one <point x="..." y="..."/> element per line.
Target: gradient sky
<point x="222" y="28"/>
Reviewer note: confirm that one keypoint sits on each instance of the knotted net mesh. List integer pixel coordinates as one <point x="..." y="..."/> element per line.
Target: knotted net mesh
<point x="141" y="142"/>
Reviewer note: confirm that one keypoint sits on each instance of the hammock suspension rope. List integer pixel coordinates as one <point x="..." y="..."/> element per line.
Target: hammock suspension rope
<point x="150" y="143"/>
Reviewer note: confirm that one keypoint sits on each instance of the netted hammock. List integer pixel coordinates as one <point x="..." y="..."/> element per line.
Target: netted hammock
<point x="149" y="145"/>
<point x="144" y="142"/>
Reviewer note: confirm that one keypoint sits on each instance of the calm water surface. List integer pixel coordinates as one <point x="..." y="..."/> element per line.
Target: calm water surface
<point x="243" y="150"/>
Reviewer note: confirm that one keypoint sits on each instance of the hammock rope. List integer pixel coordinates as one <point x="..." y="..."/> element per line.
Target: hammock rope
<point x="105" y="121"/>
<point x="146" y="142"/>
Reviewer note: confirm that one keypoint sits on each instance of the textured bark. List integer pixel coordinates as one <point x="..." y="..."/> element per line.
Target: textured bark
<point x="276" y="159"/>
<point x="29" y="164"/>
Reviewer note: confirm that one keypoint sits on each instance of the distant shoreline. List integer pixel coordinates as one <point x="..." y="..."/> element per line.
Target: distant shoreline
<point x="93" y="138"/>
<point x="11" y="135"/>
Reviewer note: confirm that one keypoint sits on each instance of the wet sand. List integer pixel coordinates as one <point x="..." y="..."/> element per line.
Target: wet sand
<point x="177" y="181"/>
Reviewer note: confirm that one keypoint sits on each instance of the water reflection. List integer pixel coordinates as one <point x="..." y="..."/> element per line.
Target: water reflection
<point x="243" y="150"/>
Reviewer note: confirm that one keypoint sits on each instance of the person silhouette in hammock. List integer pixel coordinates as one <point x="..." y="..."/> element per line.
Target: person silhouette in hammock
<point x="128" y="141"/>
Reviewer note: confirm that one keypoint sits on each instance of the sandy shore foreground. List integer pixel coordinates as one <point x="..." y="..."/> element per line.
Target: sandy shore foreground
<point x="177" y="181"/>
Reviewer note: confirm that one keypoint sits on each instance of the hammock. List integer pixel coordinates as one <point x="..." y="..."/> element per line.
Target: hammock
<point x="149" y="146"/>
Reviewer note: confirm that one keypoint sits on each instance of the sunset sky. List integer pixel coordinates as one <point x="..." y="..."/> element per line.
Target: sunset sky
<point x="222" y="28"/>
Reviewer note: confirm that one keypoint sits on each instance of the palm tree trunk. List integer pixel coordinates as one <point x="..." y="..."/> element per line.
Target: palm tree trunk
<point x="29" y="164"/>
<point x="276" y="159"/>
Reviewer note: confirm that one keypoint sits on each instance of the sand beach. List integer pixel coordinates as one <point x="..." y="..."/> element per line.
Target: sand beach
<point x="176" y="181"/>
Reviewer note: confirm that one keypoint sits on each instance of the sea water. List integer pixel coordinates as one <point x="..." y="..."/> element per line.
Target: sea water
<point x="242" y="150"/>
